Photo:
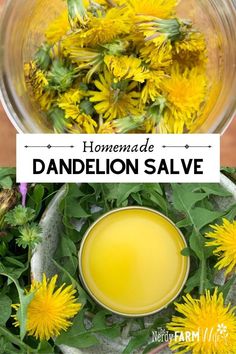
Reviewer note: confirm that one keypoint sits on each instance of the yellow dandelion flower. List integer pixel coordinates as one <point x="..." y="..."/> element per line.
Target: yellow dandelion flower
<point x="169" y="124"/>
<point x="223" y="238"/>
<point x="58" y="28"/>
<point x="107" y="128"/>
<point x="87" y="123"/>
<point x="100" y="2"/>
<point x="87" y="3"/>
<point x="38" y="85"/>
<point x="150" y="125"/>
<point x="69" y="103"/>
<point x="82" y="124"/>
<point x="158" y="31"/>
<point x="86" y="59"/>
<point x="151" y="37"/>
<point x="126" y="68"/>
<point x="152" y="87"/>
<point x="211" y="98"/>
<point x="72" y="96"/>
<point x="104" y="29"/>
<point x="114" y="102"/>
<point x="192" y="42"/>
<point x="36" y="78"/>
<point x="185" y="93"/>
<point x="153" y="8"/>
<point x="120" y="2"/>
<point x="191" y="50"/>
<point x="46" y="100"/>
<point x="136" y="40"/>
<point x="212" y="321"/>
<point x="72" y="42"/>
<point x="157" y="57"/>
<point x="40" y="80"/>
<point x="71" y="110"/>
<point x="50" y="310"/>
<point x="101" y="30"/>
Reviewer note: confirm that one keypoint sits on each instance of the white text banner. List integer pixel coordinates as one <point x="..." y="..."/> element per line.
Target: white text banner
<point x="117" y="158"/>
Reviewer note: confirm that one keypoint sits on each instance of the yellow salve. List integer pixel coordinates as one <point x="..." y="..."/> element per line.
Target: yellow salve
<point x="131" y="262"/>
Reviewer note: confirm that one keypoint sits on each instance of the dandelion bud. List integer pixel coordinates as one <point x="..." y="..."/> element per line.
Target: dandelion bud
<point x="128" y="124"/>
<point x="29" y="235"/>
<point x="61" y="76"/>
<point x="42" y="56"/>
<point x="20" y="216"/>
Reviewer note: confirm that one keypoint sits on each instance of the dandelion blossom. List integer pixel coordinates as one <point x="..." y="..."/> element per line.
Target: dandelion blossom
<point x="86" y="123"/>
<point x="223" y="238"/>
<point x="124" y="68"/>
<point x="153" y="8"/>
<point x="101" y="30"/>
<point x="69" y="102"/>
<point x="185" y="93"/>
<point x="50" y="310"/>
<point x="105" y="29"/>
<point x="86" y="59"/>
<point x="107" y="128"/>
<point x="211" y="318"/>
<point x="38" y="83"/>
<point x="151" y="89"/>
<point x="58" y="28"/>
<point x="157" y="57"/>
<point x="191" y="50"/>
<point x="114" y="101"/>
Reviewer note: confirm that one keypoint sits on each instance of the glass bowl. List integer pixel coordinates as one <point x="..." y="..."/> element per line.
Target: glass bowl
<point x="22" y="27"/>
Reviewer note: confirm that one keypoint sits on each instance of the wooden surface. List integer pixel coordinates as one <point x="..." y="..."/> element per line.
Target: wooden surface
<point x="7" y="143"/>
<point x="228" y="146"/>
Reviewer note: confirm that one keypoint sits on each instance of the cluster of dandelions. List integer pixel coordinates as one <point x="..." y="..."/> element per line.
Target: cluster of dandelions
<point x="207" y="324"/>
<point x="115" y="66"/>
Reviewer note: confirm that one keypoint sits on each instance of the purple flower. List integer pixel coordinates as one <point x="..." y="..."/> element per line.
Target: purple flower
<point x="23" y="188"/>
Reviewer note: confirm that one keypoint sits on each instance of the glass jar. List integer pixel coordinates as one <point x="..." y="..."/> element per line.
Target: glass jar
<point x="22" y="27"/>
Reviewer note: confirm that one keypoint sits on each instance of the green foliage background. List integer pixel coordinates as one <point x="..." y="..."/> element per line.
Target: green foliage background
<point x="193" y="207"/>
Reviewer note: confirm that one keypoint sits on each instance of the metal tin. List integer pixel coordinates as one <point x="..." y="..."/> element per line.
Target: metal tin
<point x="80" y="261"/>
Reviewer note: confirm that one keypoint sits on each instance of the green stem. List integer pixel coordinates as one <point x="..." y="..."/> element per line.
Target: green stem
<point x="100" y="120"/>
<point x="29" y="254"/>
<point x="202" y="276"/>
<point x="49" y="195"/>
<point x="203" y="266"/>
<point x="29" y="260"/>
<point x="15" y="340"/>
